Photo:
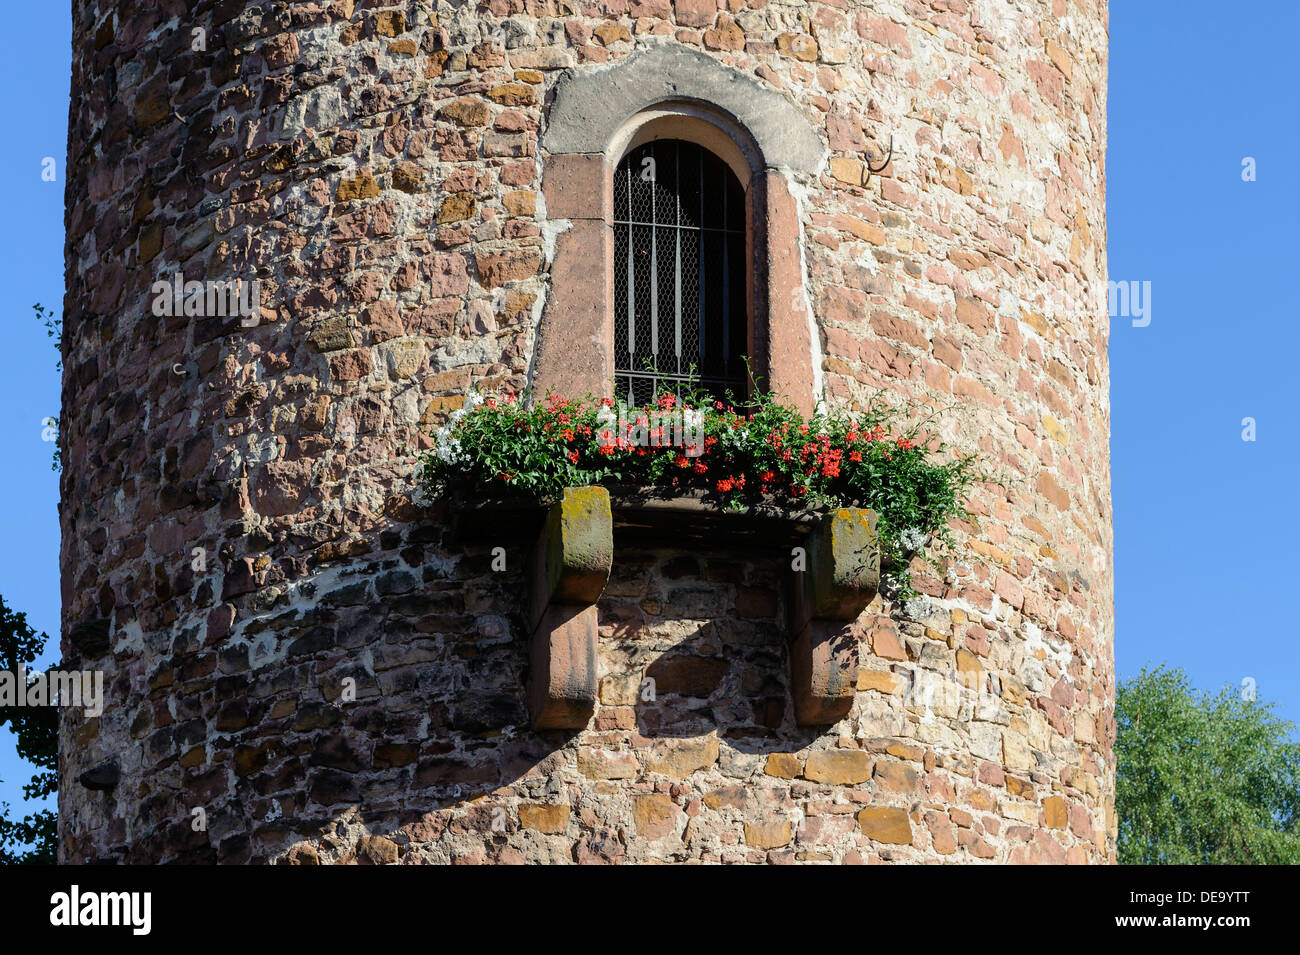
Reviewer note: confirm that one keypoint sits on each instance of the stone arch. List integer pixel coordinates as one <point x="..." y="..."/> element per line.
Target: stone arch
<point x="662" y="91"/>
<point x="591" y="107"/>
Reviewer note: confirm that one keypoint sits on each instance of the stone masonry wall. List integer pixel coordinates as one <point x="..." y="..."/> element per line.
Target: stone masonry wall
<point x="239" y="536"/>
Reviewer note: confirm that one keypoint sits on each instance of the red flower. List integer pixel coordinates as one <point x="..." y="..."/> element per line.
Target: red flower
<point x="905" y="444"/>
<point x="700" y="467"/>
<point x="855" y="455"/>
<point x="667" y="400"/>
<point x="767" y="476"/>
<point x="573" y="456"/>
<point x="682" y="461"/>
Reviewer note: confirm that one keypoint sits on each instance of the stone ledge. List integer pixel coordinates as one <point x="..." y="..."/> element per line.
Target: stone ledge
<point x="640" y="516"/>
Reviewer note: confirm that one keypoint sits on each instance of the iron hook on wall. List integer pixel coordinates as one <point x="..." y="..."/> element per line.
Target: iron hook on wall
<point x="888" y="157"/>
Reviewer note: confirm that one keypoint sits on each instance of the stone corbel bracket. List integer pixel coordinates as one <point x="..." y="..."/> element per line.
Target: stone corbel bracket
<point x="569" y="568"/>
<point x="841" y="577"/>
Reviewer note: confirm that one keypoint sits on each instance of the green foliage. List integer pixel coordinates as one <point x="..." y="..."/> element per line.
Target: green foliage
<point x="1203" y="779"/>
<point x="54" y="329"/>
<point x="37" y="731"/>
<point x="766" y="452"/>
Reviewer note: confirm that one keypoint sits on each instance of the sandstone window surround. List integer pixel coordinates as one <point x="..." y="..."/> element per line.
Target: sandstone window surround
<point x="669" y="92"/>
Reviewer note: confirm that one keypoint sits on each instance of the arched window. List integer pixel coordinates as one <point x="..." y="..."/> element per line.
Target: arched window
<point x="680" y="272"/>
<point x="608" y="312"/>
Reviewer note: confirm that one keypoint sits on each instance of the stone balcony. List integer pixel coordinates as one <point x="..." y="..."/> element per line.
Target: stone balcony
<point x="571" y="544"/>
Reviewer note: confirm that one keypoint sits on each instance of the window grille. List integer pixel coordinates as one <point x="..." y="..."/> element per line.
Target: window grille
<point x="679" y="272"/>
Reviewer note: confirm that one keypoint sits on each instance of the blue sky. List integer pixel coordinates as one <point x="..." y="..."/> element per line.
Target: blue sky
<point x="1203" y="524"/>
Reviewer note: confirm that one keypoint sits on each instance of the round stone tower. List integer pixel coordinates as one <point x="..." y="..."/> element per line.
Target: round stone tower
<point x="299" y="233"/>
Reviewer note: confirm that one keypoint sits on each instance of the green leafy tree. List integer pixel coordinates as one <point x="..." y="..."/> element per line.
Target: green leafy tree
<point x="1202" y="778"/>
<point x="31" y="839"/>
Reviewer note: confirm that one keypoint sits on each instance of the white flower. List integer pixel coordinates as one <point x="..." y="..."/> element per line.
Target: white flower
<point x="472" y="401"/>
<point x="447" y="448"/>
<point x="913" y="539"/>
<point x="736" y="437"/>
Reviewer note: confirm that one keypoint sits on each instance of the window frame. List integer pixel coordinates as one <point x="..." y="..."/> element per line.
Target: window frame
<point x="731" y="238"/>
<point x="589" y="133"/>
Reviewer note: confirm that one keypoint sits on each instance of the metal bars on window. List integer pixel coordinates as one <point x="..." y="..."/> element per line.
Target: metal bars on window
<point x="679" y="272"/>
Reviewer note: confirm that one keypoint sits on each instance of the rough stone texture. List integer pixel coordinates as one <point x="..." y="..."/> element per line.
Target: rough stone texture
<point x="342" y="681"/>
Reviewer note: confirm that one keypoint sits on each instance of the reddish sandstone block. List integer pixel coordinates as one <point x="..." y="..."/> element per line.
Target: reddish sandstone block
<point x="695" y="13"/>
<point x="562" y="685"/>
<point x="571" y="358"/>
<point x="823" y="672"/>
